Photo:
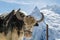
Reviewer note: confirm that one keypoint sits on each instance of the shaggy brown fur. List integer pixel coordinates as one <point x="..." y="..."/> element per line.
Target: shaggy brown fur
<point x="29" y="22"/>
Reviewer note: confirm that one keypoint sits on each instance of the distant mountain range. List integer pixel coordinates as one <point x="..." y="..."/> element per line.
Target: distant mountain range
<point x="54" y="8"/>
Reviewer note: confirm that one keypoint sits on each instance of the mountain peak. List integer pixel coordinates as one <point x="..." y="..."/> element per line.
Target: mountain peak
<point x="36" y="9"/>
<point x="36" y="13"/>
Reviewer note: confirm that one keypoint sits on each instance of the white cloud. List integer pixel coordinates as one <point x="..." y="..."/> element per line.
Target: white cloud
<point x="25" y="2"/>
<point x="17" y="2"/>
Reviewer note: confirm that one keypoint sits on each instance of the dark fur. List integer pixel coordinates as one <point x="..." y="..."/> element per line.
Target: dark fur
<point x="1" y="25"/>
<point x="13" y="23"/>
<point x="5" y="23"/>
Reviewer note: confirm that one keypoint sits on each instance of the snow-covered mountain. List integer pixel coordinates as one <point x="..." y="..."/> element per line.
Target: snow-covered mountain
<point x="52" y="18"/>
<point x="35" y="12"/>
<point x="39" y="32"/>
<point x="37" y="15"/>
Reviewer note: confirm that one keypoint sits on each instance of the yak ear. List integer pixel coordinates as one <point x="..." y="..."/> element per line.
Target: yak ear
<point x="36" y="24"/>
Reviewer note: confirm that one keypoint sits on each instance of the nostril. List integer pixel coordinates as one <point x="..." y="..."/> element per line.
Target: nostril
<point x="36" y="24"/>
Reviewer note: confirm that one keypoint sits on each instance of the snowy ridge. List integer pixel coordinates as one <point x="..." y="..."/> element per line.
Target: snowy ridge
<point x="55" y="8"/>
<point x="53" y="20"/>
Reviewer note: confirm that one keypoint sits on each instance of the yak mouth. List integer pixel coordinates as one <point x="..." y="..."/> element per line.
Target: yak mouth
<point x="27" y="31"/>
<point x="27" y="34"/>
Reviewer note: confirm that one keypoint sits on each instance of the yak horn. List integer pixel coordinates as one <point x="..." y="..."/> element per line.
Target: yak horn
<point x="41" y="18"/>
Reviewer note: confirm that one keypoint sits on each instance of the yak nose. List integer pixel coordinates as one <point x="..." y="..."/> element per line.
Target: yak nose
<point x="36" y="24"/>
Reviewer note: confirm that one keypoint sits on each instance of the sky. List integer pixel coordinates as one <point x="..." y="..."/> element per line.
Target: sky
<point x="25" y="5"/>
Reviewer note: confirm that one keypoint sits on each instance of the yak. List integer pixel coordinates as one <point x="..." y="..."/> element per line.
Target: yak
<point x="16" y="25"/>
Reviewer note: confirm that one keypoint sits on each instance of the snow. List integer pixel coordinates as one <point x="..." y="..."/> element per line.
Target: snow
<point x="55" y="8"/>
<point x="52" y="18"/>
